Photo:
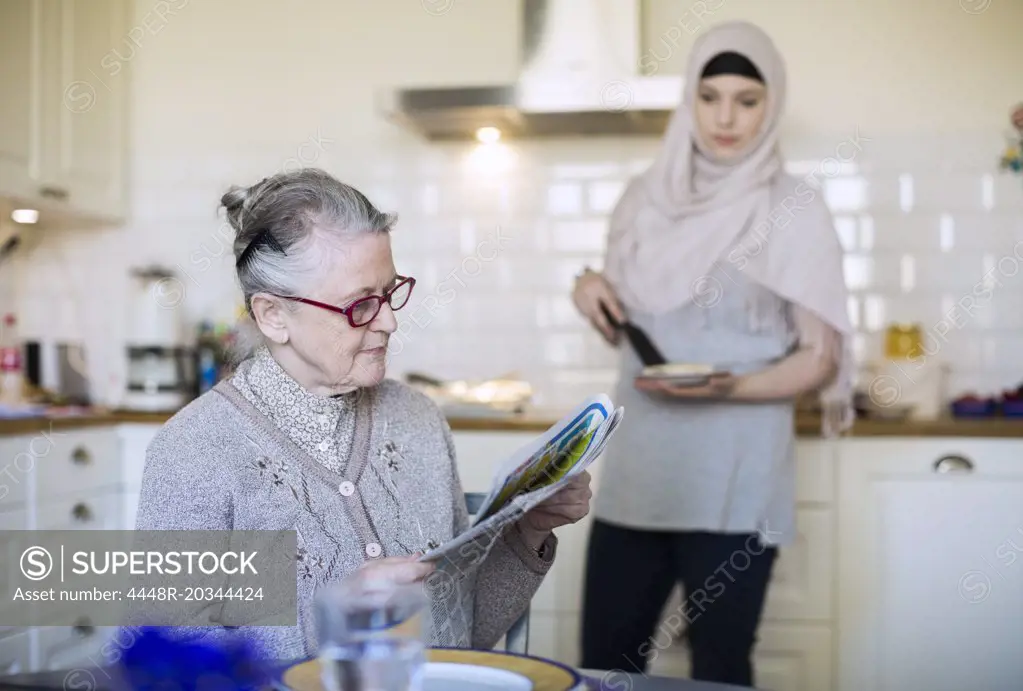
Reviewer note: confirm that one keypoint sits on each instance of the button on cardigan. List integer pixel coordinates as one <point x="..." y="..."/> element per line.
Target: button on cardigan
<point x="245" y="456"/>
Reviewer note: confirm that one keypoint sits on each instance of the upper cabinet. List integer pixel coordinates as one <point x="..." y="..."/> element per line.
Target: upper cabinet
<point x="63" y="119"/>
<point x="20" y="26"/>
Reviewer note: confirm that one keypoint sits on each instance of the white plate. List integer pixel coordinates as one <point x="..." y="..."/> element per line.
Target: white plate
<point x="695" y="380"/>
<point x="449" y="676"/>
<point x="680" y="371"/>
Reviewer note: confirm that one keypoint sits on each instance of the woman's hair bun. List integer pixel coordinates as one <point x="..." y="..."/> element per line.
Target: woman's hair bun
<point x="233" y="202"/>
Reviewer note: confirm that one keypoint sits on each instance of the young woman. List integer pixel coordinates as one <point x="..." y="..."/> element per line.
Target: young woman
<point x="723" y="259"/>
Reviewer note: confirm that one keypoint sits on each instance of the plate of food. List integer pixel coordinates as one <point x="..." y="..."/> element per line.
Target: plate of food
<point x="682" y="373"/>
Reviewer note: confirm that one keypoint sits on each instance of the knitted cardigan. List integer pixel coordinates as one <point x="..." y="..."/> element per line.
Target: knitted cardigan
<point x="221" y="464"/>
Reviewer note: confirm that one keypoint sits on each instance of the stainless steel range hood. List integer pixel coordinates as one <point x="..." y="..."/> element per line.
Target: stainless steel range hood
<point x="580" y="77"/>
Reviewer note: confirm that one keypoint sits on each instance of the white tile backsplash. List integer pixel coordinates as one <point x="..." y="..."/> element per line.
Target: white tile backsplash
<point x="883" y="191"/>
<point x="1007" y="192"/>
<point x="602" y="195"/>
<point x="579" y="237"/>
<point x="558" y="311"/>
<point x="948" y="191"/>
<point x="565" y="199"/>
<point x="846" y="194"/>
<point x="848" y="229"/>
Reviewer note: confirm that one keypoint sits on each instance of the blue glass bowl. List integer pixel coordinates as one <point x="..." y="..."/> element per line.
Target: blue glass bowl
<point x="984" y="408"/>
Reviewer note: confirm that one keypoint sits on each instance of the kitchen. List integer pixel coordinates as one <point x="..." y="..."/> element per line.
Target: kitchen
<point x="124" y="124"/>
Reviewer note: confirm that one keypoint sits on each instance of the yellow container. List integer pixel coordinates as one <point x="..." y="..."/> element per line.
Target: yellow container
<point x="903" y="341"/>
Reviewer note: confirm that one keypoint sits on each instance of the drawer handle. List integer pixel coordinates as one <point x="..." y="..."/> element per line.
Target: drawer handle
<point x="84" y="628"/>
<point x="80" y="456"/>
<point x="81" y="512"/>
<point x="953" y="463"/>
<point x="53" y="193"/>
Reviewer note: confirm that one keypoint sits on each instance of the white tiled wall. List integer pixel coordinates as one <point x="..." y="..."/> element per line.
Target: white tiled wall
<point x="921" y="211"/>
<point x="495" y="250"/>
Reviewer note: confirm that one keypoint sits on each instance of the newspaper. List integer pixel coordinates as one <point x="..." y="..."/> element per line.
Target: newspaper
<point x="529" y="476"/>
<point x="536" y="471"/>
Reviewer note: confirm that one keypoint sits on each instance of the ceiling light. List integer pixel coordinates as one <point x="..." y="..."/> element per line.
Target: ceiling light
<point x="25" y="216"/>
<point x="488" y="135"/>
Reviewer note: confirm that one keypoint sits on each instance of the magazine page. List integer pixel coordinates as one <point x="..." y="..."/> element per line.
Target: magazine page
<point x="466" y="551"/>
<point x="531" y="475"/>
<point x="549" y="456"/>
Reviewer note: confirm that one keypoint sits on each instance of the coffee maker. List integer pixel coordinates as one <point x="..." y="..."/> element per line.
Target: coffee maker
<point x="161" y="369"/>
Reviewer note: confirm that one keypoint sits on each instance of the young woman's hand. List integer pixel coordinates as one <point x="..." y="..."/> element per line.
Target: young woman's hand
<point x="591" y="290"/>
<point x="719" y="386"/>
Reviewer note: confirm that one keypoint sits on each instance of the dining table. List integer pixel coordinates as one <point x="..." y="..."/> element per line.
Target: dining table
<point x="104" y="679"/>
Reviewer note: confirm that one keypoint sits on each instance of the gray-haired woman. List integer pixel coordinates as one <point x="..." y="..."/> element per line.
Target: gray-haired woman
<point x="308" y="435"/>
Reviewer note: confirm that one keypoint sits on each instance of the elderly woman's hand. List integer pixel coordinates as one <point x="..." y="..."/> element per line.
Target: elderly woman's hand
<point x="400" y="570"/>
<point x="569" y="505"/>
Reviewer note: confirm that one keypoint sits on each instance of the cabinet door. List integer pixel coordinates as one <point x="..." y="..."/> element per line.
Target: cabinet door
<point x="88" y="511"/>
<point x="87" y="99"/>
<point x="930" y="591"/>
<point x="20" y="40"/>
<point x="76" y="461"/>
<point x="17" y="465"/>
<point x="10" y="559"/>
<point x="135" y="438"/>
<point x="802" y="580"/>
<point x="788" y="657"/>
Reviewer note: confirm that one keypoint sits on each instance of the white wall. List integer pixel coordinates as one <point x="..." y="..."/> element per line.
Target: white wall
<point x="229" y="91"/>
<point x="912" y="66"/>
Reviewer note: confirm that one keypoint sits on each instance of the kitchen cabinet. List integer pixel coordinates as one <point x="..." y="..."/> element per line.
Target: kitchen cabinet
<point x="9" y="559"/>
<point x="930" y="594"/>
<point x="788" y="657"/>
<point x="64" y="134"/>
<point x="134" y="439"/>
<point x="906" y="571"/>
<point x="20" y="29"/>
<point x="58" y="480"/>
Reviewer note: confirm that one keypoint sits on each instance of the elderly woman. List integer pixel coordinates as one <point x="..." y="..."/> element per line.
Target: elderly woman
<point x="308" y="435"/>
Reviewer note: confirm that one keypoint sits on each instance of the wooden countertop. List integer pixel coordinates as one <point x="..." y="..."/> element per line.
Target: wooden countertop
<point x="15" y="426"/>
<point x="807" y="426"/>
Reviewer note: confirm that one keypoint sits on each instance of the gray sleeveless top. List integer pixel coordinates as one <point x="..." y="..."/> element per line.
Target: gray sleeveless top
<point x="703" y="465"/>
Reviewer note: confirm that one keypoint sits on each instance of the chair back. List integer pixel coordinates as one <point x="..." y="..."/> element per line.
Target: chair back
<point x="517" y="638"/>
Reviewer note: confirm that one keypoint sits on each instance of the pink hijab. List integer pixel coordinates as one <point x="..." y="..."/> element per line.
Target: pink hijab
<point x="688" y="211"/>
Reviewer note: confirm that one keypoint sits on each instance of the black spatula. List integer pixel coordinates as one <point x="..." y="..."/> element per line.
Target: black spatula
<point x="641" y="343"/>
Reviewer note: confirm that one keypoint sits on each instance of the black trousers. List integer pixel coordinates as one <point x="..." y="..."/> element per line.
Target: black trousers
<point x="630" y="574"/>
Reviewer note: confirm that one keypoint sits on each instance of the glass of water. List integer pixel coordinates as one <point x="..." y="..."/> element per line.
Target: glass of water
<point x="372" y="635"/>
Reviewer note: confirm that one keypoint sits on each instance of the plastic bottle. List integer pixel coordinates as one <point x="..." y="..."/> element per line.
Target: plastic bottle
<point x="209" y="367"/>
<point x="12" y="375"/>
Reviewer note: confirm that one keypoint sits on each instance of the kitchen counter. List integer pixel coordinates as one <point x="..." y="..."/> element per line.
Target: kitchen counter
<point x="810" y="426"/>
<point x="99" y="418"/>
<point x="807" y="426"/>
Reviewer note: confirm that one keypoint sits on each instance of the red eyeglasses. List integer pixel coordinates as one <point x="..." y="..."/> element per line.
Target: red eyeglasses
<point x="364" y="310"/>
